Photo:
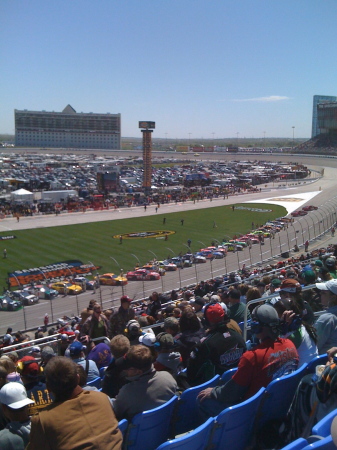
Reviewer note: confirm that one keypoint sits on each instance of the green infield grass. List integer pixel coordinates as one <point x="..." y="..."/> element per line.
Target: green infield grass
<point x="99" y="242"/>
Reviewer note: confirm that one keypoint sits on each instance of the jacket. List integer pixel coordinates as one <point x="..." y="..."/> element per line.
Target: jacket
<point x="86" y="420"/>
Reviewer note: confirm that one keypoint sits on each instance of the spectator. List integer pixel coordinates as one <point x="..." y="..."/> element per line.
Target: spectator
<point x="132" y="331"/>
<point x="198" y="304"/>
<point x="167" y="359"/>
<point x="292" y="290"/>
<point x="191" y="334"/>
<point x="113" y="379"/>
<point x="120" y="318"/>
<point x="96" y="325"/>
<point x="100" y="354"/>
<point x="36" y="389"/>
<point x="76" y="353"/>
<point x="330" y="264"/>
<point x="147" y="388"/>
<point x="272" y="358"/>
<point x="87" y="312"/>
<point x="14" y="402"/>
<point x="220" y="350"/>
<point x="61" y="426"/>
<point x="326" y="324"/>
<point x="236" y="309"/>
<point x="12" y="374"/>
<point x="171" y="325"/>
<point x="46" y="354"/>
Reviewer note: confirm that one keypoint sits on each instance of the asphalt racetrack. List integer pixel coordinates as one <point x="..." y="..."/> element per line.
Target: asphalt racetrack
<point x="321" y="193"/>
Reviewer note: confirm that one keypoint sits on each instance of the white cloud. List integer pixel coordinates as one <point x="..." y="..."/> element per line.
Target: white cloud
<point x="271" y="98"/>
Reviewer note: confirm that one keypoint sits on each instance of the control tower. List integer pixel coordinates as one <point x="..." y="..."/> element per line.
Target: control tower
<point x="147" y="128"/>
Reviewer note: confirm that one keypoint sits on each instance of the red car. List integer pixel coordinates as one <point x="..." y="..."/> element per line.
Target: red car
<point x="299" y="213"/>
<point x="309" y="208"/>
<point x="142" y="274"/>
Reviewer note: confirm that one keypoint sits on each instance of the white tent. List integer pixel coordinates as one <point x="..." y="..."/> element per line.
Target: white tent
<point x="22" y="195"/>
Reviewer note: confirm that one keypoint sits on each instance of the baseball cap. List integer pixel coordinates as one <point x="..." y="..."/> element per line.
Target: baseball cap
<point x="14" y="396"/>
<point x="291" y="274"/>
<point x="330" y="285"/>
<point x="133" y="326"/>
<point x="214" y="298"/>
<point x="165" y="340"/>
<point x="76" y="348"/>
<point x="309" y="276"/>
<point x="35" y="349"/>
<point x="125" y="299"/>
<point x="7" y="338"/>
<point x="214" y="313"/>
<point x="147" y="339"/>
<point x="199" y="301"/>
<point x="276" y="282"/>
<point x="47" y="352"/>
<point x="170" y="321"/>
<point x="265" y="314"/>
<point x="318" y="263"/>
<point x="330" y="262"/>
<point x="29" y="367"/>
<point x="290" y="285"/>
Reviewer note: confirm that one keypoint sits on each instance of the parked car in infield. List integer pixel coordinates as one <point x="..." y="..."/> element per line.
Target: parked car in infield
<point x="111" y="279"/>
<point x="8" y="303"/>
<point x="142" y="274"/>
<point x="65" y="287"/>
<point x="42" y="291"/>
<point x="26" y="298"/>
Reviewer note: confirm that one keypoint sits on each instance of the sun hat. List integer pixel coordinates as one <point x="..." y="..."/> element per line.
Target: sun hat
<point x="14" y="396"/>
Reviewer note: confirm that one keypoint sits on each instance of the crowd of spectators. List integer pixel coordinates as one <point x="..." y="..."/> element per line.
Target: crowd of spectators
<point x="154" y="349"/>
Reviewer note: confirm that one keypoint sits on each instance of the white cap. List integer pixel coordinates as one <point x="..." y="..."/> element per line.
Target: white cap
<point x="148" y="339"/>
<point x="330" y="285"/>
<point x="14" y="396"/>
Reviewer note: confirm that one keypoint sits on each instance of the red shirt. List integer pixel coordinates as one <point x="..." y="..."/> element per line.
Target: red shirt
<point x="268" y="361"/>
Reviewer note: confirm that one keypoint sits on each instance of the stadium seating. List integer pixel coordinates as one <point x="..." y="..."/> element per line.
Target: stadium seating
<point x="299" y="444"/>
<point x="233" y="427"/>
<point x="278" y="396"/>
<point x="322" y="428"/>
<point x="196" y="439"/>
<point x="102" y="371"/>
<point x="186" y="413"/>
<point x="123" y="426"/>
<point x="149" y="429"/>
<point x="318" y="360"/>
<point x="322" y="444"/>
<point x="226" y="376"/>
<point x="96" y="382"/>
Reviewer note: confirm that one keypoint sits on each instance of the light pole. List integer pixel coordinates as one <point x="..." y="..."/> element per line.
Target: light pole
<point x="161" y="276"/>
<point x="322" y="217"/>
<point x="293" y="136"/>
<point x="120" y="271"/>
<point x="189" y="141"/>
<point x="23" y="305"/>
<point x="143" y="278"/>
<point x="179" y="268"/>
<point x="295" y="231"/>
<point x="307" y="226"/>
<point x="313" y="223"/>
<point x="319" y="222"/>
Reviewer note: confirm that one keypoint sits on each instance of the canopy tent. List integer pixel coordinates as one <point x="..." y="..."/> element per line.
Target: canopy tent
<point x="22" y="195"/>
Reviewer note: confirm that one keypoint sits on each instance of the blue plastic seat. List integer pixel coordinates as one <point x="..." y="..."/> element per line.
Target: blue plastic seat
<point x="96" y="382"/>
<point x="278" y="396"/>
<point x="123" y="426"/>
<point x="196" y="439"/>
<point x="102" y="371"/>
<point x="233" y="427"/>
<point x="299" y="444"/>
<point x="318" y="360"/>
<point x="226" y="376"/>
<point x="186" y="415"/>
<point x="322" y="428"/>
<point x="149" y="429"/>
<point x="323" y="444"/>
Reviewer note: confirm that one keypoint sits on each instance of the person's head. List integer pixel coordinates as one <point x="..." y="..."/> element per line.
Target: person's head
<point x="290" y="288"/>
<point x="275" y="284"/>
<point x="76" y="350"/>
<point x="97" y="309"/>
<point x="29" y="369"/>
<point x="125" y="302"/>
<point x="189" y="321"/>
<point x="82" y="375"/>
<point x="154" y="296"/>
<point x="261" y="287"/>
<point x="164" y="342"/>
<point x="8" y="364"/>
<point x="46" y="354"/>
<point x="253" y="294"/>
<point x="198" y="303"/>
<point x="3" y="375"/>
<point x="148" y="339"/>
<point x="137" y="360"/>
<point x="14" y="402"/>
<point x="177" y="313"/>
<point x="13" y="356"/>
<point x="330" y="264"/>
<point x="132" y="329"/>
<point x="214" y="314"/>
<point x="328" y="292"/>
<point x="119" y="345"/>
<point x="265" y="322"/>
<point x="234" y="296"/>
<point x="171" y="325"/>
<point x="61" y="377"/>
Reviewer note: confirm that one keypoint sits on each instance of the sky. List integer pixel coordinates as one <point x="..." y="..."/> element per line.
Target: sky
<point x="198" y="68"/>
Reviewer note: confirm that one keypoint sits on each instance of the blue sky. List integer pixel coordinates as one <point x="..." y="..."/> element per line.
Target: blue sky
<point x="192" y="66"/>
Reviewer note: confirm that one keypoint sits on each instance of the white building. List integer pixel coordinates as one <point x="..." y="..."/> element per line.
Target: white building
<point x="67" y="129"/>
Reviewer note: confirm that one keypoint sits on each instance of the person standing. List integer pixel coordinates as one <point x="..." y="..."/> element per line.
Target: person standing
<point x="164" y="220"/>
<point x="306" y="245"/>
<point x="182" y="221"/>
<point x="121" y="317"/>
<point x="5" y="253"/>
<point x="97" y="324"/>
